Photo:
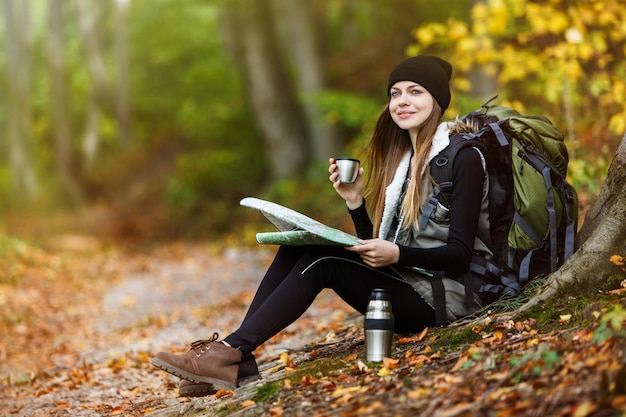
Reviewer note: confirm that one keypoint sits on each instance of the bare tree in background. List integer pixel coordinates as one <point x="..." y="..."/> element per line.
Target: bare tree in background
<point x="267" y="86"/>
<point x="19" y="83"/>
<point x="301" y="40"/>
<point x="122" y="105"/>
<point x="59" y="99"/>
<point x="89" y="15"/>
<point x="105" y="97"/>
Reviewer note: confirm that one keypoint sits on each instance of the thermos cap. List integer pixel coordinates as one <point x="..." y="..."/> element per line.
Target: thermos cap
<point x="379" y="294"/>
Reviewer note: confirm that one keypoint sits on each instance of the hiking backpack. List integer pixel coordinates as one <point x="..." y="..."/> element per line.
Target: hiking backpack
<point x="533" y="210"/>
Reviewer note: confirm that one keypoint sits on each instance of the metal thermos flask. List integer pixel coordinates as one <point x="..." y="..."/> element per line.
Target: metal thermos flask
<point x="379" y="325"/>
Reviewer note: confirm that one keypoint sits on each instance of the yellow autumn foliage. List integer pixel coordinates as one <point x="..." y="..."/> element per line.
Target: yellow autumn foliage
<point x="553" y="54"/>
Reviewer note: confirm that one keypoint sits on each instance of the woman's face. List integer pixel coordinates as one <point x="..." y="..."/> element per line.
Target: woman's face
<point x="410" y="105"/>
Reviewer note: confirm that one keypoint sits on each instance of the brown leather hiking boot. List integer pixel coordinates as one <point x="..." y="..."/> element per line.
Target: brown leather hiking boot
<point x="207" y="361"/>
<point x="248" y="373"/>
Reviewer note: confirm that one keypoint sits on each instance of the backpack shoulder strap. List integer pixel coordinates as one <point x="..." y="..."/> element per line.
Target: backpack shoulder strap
<point x="441" y="170"/>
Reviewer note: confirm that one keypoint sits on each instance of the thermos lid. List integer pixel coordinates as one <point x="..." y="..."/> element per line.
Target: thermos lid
<point x="379" y="294"/>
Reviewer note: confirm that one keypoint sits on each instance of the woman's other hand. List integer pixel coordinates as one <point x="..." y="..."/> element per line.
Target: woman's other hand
<point x="377" y="252"/>
<point x="351" y="193"/>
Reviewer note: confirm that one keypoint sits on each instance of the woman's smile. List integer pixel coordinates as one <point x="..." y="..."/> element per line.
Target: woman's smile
<point x="405" y="114"/>
<point x="410" y="105"/>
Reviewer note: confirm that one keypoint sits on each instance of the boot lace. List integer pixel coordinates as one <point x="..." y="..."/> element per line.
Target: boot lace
<point x="200" y="346"/>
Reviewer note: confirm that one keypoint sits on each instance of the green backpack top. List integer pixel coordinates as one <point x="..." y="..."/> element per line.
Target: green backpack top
<point x="533" y="210"/>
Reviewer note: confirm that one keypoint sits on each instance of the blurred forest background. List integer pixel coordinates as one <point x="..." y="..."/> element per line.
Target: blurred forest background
<point x="153" y="118"/>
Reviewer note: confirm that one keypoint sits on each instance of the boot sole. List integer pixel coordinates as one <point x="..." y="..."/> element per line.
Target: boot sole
<point x="217" y="383"/>
<point x="248" y="380"/>
<point x="197" y="391"/>
<point x="203" y="390"/>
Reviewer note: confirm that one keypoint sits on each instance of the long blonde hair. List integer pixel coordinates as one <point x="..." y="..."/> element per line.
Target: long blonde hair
<point x="384" y="152"/>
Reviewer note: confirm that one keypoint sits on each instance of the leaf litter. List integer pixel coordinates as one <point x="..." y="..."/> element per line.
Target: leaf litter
<point x="80" y="326"/>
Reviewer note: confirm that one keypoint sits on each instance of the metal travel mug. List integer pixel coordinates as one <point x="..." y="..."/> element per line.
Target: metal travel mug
<point x="379" y="326"/>
<point x="348" y="169"/>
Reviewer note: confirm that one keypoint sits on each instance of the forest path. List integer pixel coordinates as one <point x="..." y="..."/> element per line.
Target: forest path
<point x="98" y="349"/>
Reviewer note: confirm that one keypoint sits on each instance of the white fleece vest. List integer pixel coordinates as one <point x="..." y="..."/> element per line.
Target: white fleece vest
<point x="434" y="234"/>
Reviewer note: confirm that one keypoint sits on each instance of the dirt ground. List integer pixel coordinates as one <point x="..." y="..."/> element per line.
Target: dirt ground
<point x="81" y="321"/>
<point x="136" y="305"/>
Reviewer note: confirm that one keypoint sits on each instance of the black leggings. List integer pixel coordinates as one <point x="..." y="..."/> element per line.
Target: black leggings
<point x="299" y="273"/>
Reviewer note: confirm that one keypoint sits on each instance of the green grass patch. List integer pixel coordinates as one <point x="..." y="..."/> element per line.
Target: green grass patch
<point x="613" y="282"/>
<point x="453" y="337"/>
<point x="266" y="392"/>
<point x="317" y="368"/>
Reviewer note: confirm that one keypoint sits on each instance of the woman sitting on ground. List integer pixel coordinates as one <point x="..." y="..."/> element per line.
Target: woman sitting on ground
<point x="420" y="267"/>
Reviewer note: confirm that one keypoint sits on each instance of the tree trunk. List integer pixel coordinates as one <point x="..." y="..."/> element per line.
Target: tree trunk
<point x="64" y="153"/>
<point x="90" y="15"/>
<point x="602" y="235"/>
<point x="91" y="138"/>
<point x="267" y="86"/>
<point x="299" y="20"/>
<point x="18" y="77"/>
<point x="122" y="106"/>
<point x="102" y="99"/>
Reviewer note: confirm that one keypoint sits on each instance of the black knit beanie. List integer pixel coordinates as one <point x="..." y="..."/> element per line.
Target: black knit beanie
<point x="431" y="72"/>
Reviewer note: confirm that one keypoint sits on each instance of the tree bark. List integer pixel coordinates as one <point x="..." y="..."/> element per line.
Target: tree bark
<point x="91" y="138"/>
<point x="122" y="106"/>
<point x="105" y="98"/>
<point x="90" y="15"/>
<point x="20" y="118"/>
<point x="298" y="18"/>
<point x="64" y="152"/>
<point x="602" y="235"/>
<point x="267" y="86"/>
